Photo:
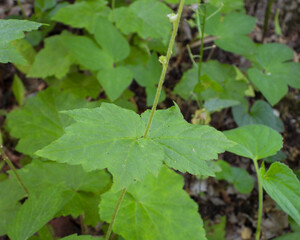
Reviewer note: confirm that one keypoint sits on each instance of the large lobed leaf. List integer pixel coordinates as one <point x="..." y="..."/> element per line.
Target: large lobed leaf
<point x="155" y="209"/>
<point x="111" y="137"/>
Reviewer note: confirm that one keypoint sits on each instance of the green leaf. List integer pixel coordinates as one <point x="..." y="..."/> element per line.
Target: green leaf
<point x="43" y="5"/>
<point x="254" y="141"/>
<point x="272" y="73"/>
<point x="113" y="138"/>
<point x="82" y="14"/>
<point x="216" y="231"/>
<point x="39" y="122"/>
<point x="215" y="104"/>
<point x="156" y="209"/>
<point x="36" y="212"/>
<point x="146" y="17"/>
<point x="219" y="81"/>
<point x="115" y="81"/>
<point x="80" y="85"/>
<point x="147" y="75"/>
<point x="260" y="113"/>
<point x="53" y="60"/>
<point x="228" y="5"/>
<point x="8" y="53"/>
<point x="87" y="53"/>
<point x="239" y="177"/>
<point x="284" y="187"/>
<point x="38" y="176"/>
<point x="232" y="30"/>
<point x="82" y="237"/>
<point x="25" y="49"/>
<point x="13" y="29"/>
<point x="111" y="40"/>
<point x="18" y="90"/>
<point x="289" y="236"/>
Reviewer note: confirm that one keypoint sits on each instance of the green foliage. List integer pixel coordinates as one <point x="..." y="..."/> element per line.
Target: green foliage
<point x="83" y="14"/>
<point x="36" y="212"/>
<point x="18" y="89"/>
<point x="216" y="231"/>
<point x="254" y="141"/>
<point x="272" y="73"/>
<point x="239" y="177"/>
<point x="156" y="208"/>
<point x="113" y="138"/>
<point x="11" y="30"/>
<point x="260" y="113"/>
<point x="143" y="17"/>
<point x="39" y="122"/>
<point x="284" y="187"/>
<point x="82" y="237"/>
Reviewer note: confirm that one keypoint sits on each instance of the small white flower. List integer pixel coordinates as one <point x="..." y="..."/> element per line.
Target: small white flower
<point x="162" y="59"/>
<point x="172" y="17"/>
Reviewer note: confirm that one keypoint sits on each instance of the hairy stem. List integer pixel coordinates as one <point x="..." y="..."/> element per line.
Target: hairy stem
<point x="260" y="201"/>
<point x="202" y="3"/>
<point x="165" y="64"/>
<point x="267" y="17"/>
<point x="112" y="221"/>
<point x="12" y="167"/>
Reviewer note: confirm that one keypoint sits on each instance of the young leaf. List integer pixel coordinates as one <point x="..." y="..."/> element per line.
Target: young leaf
<point x="113" y="138"/>
<point x="82" y="14"/>
<point x="146" y="17"/>
<point x="231" y="31"/>
<point x="36" y="212"/>
<point x="260" y="113"/>
<point x="115" y="81"/>
<point x="216" y="231"/>
<point x="53" y="60"/>
<point x="254" y="141"/>
<point x="284" y="187"/>
<point x="111" y="40"/>
<point x="18" y="90"/>
<point x="39" y="122"/>
<point x="156" y="209"/>
<point x="87" y="53"/>
<point x="14" y="29"/>
<point x="272" y="72"/>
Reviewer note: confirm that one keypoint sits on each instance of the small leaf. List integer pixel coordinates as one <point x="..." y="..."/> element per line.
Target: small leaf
<point x="254" y="141"/>
<point x="36" y="212"/>
<point x="260" y="113"/>
<point x="272" y="73"/>
<point x="14" y="29"/>
<point x="87" y="53"/>
<point x="156" y="209"/>
<point x="284" y="187"/>
<point x="81" y="237"/>
<point x="115" y="81"/>
<point x="146" y="17"/>
<point x="216" y="231"/>
<point x="18" y="90"/>
<point x="289" y="236"/>
<point x="111" y="40"/>
<point x="53" y="60"/>
<point x="82" y="14"/>
<point x="8" y="53"/>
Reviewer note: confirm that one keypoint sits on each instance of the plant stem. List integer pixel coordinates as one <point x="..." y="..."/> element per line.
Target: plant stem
<point x="112" y="221"/>
<point x="260" y="201"/>
<point x="267" y="17"/>
<point x="202" y="38"/>
<point x="165" y="66"/>
<point x="12" y="167"/>
<point x="22" y="9"/>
